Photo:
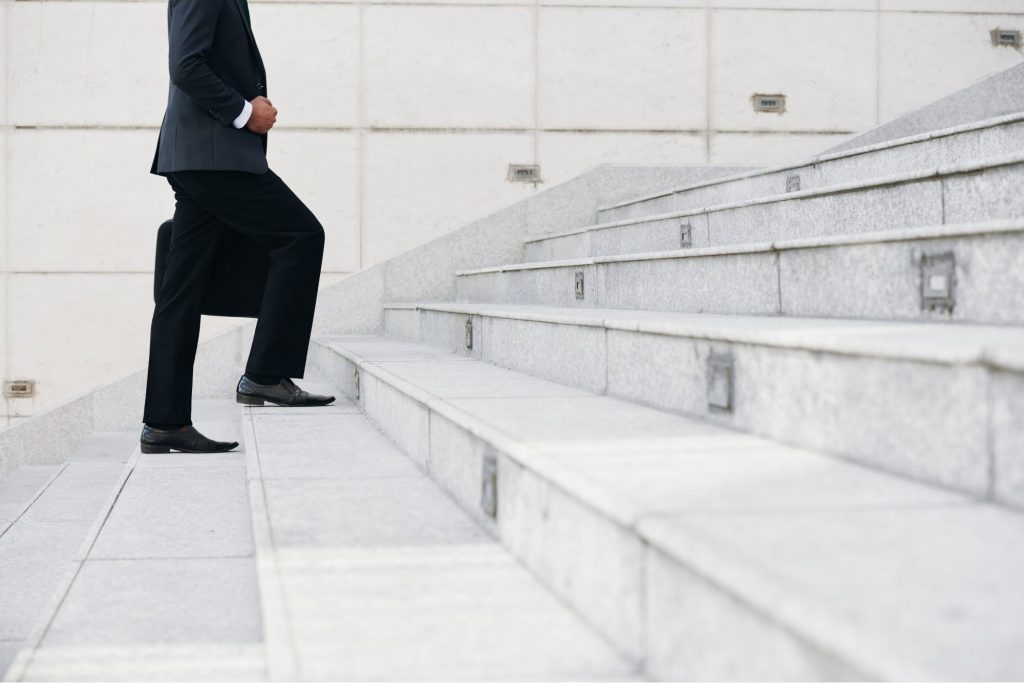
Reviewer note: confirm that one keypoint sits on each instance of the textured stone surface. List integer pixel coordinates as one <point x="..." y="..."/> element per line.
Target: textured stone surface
<point x="571" y="356"/>
<point x="698" y="632"/>
<point x="984" y="196"/>
<point x="823" y="401"/>
<point x="884" y="280"/>
<point x="456" y="379"/>
<point x="402" y="323"/>
<point x="746" y="283"/>
<point x="159" y="601"/>
<point x="655" y="235"/>
<point x="1007" y="392"/>
<point x="590" y="561"/>
<point x="447" y="331"/>
<point x="178" y="512"/>
<point x="405" y="419"/>
<point x="897" y="206"/>
<point x="77" y="495"/>
<point x="384" y="577"/>
<point x="836" y="577"/>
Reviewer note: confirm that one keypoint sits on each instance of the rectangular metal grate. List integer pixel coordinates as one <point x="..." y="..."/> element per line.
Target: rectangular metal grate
<point x="769" y="104"/>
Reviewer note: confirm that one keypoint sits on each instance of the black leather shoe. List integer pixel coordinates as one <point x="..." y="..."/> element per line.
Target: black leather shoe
<point x="284" y="393"/>
<point x="186" y="439"/>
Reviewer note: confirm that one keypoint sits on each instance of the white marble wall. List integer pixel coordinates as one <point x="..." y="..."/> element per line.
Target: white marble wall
<point x="398" y="121"/>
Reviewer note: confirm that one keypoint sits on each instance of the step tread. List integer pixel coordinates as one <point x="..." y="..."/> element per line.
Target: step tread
<point x="158" y="580"/>
<point x="893" y="592"/>
<point x="997" y="227"/>
<point x="998" y="346"/>
<point x="994" y="122"/>
<point x="356" y="528"/>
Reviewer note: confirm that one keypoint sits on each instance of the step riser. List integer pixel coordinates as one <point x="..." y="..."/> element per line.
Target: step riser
<point x="927" y="421"/>
<point x="875" y="281"/>
<point x="988" y="195"/>
<point x="978" y="144"/>
<point x="604" y="570"/>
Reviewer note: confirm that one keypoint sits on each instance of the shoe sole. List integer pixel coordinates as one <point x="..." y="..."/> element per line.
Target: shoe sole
<point x="247" y="400"/>
<point x="150" y="448"/>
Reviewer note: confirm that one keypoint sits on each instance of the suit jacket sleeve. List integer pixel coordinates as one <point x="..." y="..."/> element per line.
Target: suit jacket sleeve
<point x="190" y="37"/>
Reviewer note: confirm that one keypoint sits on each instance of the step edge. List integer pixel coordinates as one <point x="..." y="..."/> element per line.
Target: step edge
<point x="1002" y="226"/>
<point x="1005" y="357"/>
<point x="985" y="124"/>
<point x="907" y="178"/>
<point x="278" y="640"/>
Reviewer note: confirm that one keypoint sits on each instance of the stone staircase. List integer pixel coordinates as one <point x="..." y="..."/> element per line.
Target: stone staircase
<point x="761" y="425"/>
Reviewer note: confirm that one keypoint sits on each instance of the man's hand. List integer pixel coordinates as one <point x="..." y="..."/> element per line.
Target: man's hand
<point x="263" y="117"/>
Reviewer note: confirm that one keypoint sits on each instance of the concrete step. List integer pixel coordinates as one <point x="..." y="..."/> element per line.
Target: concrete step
<point x="705" y="554"/>
<point x="989" y="138"/>
<point x="930" y="401"/>
<point x="946" y="195"/>
<point x="47" y="513"/>
<point x="883" y="275"/>
<point x="157" y="580"/>
<point x="369" y="571"/>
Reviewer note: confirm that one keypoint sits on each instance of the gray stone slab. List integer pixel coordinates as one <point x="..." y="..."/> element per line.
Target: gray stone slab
<point x="8" y="651"/>
<point x="1007" y="391"/>
<point x="884" y="280"/>
<point x="745" y="284"/>
<point x="698" y="632"/>
<point x="823" y="402"/>
<point x="730" y="472"/>
<point x="402" y="323"/>
<point x="902" y="592"/>
<point x="375" y="349"/>
<point x="179" y="513"/>
<point x="112" y="447"/>
<point x="188" y="601"/>
<point x="149" y="662"/>
<point x="568" y="355"/>
<point x="77" y="495"/>
<point x="593" y="563"/>
<point x="990" y="195"/>
<point x="558" y="424"/>
<point x="653" y="235"/>
<point x="897" y="206"/>
<point x="465" y="612"/>
<point x="22" y="484"/>
<point x="235" y="458"/>
<point x="318" y="446"/>
<point x="366" y="512"/>
<point x="453" y="379"/>
<point x="447" y="332"/>
<point x="550" y="287"/>
<point x="26" y="584"/>
<point x="405" y="420"/>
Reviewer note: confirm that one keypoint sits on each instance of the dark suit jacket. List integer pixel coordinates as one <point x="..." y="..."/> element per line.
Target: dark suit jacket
<point x="215" y="67"/>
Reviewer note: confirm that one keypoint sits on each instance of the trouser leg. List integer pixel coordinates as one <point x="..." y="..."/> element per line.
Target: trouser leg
<point x="174" y="332"/>
<point x="264" y="208"/>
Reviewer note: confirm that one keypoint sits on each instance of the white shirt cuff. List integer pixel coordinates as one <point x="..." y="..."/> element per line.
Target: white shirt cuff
<point x="243" y="118"/>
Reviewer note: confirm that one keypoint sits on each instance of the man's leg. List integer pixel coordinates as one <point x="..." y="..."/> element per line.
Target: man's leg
<point x="264" y="208"/>
<point x="174" y="333"/>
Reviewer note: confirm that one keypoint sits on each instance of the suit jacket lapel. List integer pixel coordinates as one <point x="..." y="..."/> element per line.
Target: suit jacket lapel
<point x="241" y="15"/>
<point x="248" y="30"/>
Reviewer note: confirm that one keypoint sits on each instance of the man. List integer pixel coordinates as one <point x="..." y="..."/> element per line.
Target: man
<point x="212" y="150"/>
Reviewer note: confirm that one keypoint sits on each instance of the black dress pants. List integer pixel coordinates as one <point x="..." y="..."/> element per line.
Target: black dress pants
<point x="261" y="206"/>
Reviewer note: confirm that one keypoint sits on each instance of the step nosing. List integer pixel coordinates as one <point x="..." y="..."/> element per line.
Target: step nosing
<point x="876" y="338"/>
<point x="946" y="231"/>
<point x="987" y="124"/>
<point x="922" y="175"/>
